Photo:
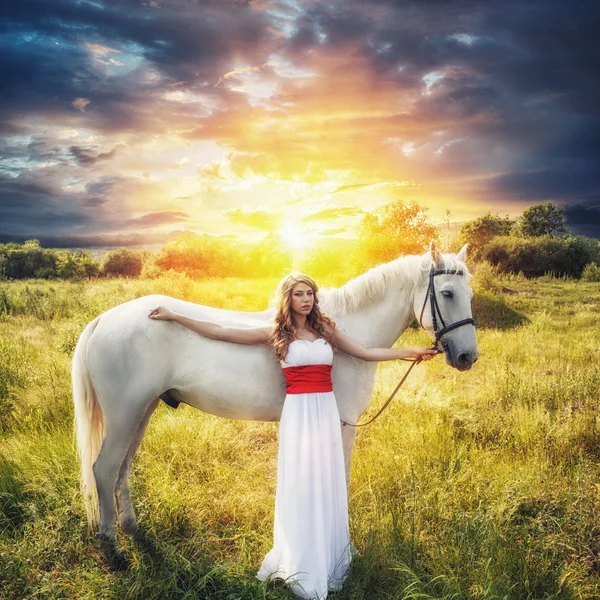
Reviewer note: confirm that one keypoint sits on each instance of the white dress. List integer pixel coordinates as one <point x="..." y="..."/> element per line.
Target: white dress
<point x="311" y="549"/>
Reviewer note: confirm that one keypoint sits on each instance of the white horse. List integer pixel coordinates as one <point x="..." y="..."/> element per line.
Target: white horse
<point x="124" y="363"/>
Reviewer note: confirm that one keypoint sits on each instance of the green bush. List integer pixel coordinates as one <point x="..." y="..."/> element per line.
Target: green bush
<point x="122" y="263"/>
<point x="535" y="257"/>
<point x="591" y="272"/>
<point x="480" y="231"/>
<point x="199" y="256"/>
<point x="45" y="273"/>
<point x="21" y="261"/>
<point x="151" y="270"/>
<point x="76" y="265"/>
<point x="485" y="278"/>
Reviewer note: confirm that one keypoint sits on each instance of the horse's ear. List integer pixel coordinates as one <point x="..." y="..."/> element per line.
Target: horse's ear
<point x="436" y="255"/>
<point x="462" y="255"/>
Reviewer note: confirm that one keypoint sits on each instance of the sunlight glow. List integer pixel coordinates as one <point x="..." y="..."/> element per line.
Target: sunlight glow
<point x="294" y="236"/>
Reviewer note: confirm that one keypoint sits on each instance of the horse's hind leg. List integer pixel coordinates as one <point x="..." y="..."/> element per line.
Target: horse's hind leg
<point x="120" y="432"/>
<point x="125" y="513"/>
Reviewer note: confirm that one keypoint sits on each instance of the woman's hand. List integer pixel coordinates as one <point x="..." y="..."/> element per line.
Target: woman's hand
<point x="424" y="353"/>
<point x="161" y="313"/>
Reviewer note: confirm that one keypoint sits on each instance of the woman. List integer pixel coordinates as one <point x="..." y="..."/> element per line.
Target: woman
<point x="311" y="549"/>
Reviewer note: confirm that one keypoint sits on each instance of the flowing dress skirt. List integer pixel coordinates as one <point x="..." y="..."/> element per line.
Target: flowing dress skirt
<point x="311" y="550"/>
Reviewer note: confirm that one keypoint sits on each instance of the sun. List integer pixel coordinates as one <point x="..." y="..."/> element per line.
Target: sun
<point x="294" y="236"/>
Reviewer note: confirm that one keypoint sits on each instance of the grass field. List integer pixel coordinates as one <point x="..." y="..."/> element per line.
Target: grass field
<point x="482" y="484"/>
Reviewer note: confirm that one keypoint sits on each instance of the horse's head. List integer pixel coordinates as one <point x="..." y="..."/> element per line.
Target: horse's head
<point x="442" y="305"/>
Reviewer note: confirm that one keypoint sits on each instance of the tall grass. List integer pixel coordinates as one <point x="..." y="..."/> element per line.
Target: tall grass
<point x="481" y="484"/>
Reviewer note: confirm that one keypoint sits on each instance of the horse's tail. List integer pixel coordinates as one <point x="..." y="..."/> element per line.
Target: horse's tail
<point x="89" y="423"/>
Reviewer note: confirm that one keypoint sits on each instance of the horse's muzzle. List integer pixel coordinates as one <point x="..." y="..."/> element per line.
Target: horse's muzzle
<point x="462" y="361"/>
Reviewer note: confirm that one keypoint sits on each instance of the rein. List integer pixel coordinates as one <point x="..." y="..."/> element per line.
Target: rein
<point x="439" y="333"/>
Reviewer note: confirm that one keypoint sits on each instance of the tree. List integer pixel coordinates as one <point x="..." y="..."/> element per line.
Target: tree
<point x="88" y="266"/>
<point x="478" y="232"/>
<point x="331" y="265"/>
<point x="543" y="219"/>
<point x="394" y="229"/>
<point x="200" y="256"/>
<point x="76" y="265"/>
<point x="21" y="261"/>
<point x="122" y="263"/>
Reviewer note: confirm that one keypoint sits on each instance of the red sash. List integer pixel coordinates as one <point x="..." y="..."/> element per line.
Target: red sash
<point x="308" y="378"/>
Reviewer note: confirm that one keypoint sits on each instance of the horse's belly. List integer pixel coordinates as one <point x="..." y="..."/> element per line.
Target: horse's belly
<point x="241" y="404"/>
<point x="248" y="386"/>
<point x="231" y="380"/>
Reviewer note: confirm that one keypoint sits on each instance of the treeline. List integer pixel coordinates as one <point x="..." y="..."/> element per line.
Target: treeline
<point x="29" y="260"/>
<point x="537" y="243"/>
<point x="191" y="255"/>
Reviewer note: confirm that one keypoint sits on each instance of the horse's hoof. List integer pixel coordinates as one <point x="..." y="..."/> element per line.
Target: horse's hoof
<point x="107" y="539"/>
<point x="129" y="526"/>
<point x="114" y="558"/>
<point x="118" y="561"/>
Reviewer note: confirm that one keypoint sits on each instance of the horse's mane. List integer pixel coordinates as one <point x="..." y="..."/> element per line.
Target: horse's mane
<point x="371" y="285"/>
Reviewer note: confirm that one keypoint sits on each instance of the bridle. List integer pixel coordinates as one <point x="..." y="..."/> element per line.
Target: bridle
<point x="439" y="333"/>
<point x="435" y="309"/>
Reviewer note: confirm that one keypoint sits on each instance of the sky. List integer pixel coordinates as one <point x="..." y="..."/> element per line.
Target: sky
<point x="122" y="121"/>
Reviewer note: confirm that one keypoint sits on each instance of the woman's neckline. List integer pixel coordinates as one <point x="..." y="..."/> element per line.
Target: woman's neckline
<point x="307" y="341"/>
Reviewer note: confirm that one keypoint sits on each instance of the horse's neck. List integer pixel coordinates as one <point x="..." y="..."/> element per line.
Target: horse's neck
<point x="380" y="323"/>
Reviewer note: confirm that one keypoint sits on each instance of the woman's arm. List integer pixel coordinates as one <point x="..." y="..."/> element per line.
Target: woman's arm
<point x="353" y="348"/>
<point x="251" y="335"/>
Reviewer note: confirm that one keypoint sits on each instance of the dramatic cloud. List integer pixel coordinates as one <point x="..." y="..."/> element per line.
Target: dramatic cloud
<point x="236" y="116"/>
<point x="584" y="218"/>
<point x="80" y="103"/>
<point x="160" y="218"/>
<point x="86" y="156"/>
<point x="260" y="219"/>
<point x="155" y="240"/>
<point x="332" y="232"/>
<point x="335" y="212"/>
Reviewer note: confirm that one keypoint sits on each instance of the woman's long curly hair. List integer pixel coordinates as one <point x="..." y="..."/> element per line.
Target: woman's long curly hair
<point x="284" y="331"/>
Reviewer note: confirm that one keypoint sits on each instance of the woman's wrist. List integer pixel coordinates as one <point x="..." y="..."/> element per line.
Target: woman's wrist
<point x="413" y="352"/>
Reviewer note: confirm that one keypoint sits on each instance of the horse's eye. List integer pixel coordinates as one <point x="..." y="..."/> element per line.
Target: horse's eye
<point x="447" y="293"/>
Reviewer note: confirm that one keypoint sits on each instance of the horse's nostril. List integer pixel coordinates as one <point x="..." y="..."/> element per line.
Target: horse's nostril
<point x="464" y="358"/>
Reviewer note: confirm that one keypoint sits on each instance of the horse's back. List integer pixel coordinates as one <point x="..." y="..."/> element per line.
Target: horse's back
<point x="225" y="317"/>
